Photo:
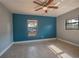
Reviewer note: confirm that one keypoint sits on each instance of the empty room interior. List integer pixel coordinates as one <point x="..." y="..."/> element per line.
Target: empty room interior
<point x="39" y="28"/>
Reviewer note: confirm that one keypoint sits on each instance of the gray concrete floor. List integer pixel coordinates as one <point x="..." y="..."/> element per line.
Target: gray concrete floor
<point x="45" y="49"/>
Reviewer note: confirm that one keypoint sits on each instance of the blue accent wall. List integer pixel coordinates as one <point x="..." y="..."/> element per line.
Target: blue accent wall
<point x="46" y="27"/>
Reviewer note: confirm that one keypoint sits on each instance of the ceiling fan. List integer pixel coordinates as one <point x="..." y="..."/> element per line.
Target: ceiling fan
<point x="45" y="4"/>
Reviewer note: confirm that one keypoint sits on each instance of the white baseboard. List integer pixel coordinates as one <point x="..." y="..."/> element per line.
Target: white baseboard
<point x="35" y="40"/>
<point x="24" y="42"/>
<point x="6" y="49"/>
<point x="69" y="42"/>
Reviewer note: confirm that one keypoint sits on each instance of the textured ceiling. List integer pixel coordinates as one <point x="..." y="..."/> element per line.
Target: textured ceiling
<point x="27" y="7"/>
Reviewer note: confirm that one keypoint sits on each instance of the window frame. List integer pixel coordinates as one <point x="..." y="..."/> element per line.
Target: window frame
<point x="32" y="28"/>
<point x="72" y="24"/>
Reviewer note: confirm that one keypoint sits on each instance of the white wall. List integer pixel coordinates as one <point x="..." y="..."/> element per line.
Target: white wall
<point x="6" y="35"/>
<point x="70" y="35"/>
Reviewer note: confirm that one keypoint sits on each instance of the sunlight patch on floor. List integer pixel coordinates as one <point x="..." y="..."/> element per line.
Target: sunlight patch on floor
<point x="58" y="52"/>
<point x="65" y="55"/>
<point x="56" y="49"/>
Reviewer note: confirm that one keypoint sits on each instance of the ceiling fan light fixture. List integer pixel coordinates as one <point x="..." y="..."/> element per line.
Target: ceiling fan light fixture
<point x="44" y="8"/>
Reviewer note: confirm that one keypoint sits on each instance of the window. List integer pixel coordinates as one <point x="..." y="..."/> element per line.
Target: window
<point x="32" y="27"/>
<point x="72" y="24"/>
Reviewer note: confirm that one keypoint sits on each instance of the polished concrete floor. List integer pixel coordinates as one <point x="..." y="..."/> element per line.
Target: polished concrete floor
<point x="44" y="49"/>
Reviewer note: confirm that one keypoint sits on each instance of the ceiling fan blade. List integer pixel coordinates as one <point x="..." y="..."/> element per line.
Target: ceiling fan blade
<point x="49" y="1"/>
<point x="57" y="4"/>
<point x="37" y="3"/>
<point x="38" y="9"/>
<point x="55" y="7"/>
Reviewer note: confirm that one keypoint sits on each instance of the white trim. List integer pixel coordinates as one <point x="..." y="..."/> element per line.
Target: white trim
<point x="69" y="42"/>
<point x="6" y="49"/>
<point x="34" y="40"/>
<point x="24" y="42"/>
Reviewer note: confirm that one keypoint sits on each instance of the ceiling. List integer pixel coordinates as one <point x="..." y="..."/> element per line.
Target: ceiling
<point x="27" y="7"/>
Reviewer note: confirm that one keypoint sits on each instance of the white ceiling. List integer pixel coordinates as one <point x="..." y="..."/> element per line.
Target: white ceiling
<point x="27" y="7"/>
